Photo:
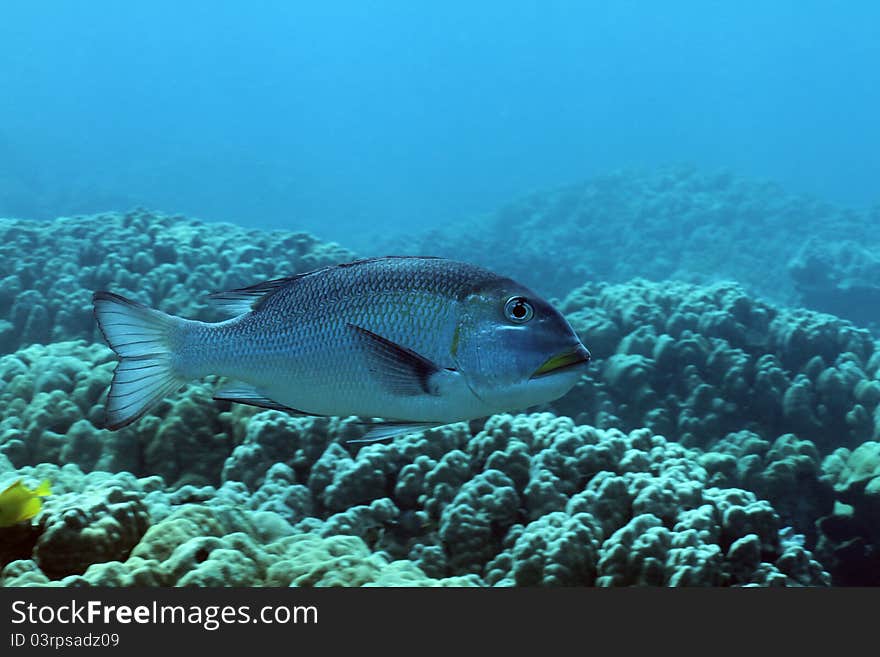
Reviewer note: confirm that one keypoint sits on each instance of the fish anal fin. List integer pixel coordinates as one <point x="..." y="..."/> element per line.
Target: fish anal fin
<point x="400" y="369"/>
<point x="388" y="430"/>
<point x="245" y="393"/>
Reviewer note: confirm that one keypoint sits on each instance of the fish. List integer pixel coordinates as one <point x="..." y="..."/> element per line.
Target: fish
<point x="415" y="341"/>
<point x="19" y="503"/>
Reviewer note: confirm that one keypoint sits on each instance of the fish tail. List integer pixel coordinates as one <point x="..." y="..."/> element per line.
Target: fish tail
<point x="143" y="338"/>
<point x="44" y="489"/>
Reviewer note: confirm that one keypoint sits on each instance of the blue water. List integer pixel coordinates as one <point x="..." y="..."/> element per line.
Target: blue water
<point x="692" y="184"/>
<point x="324" y="116"/>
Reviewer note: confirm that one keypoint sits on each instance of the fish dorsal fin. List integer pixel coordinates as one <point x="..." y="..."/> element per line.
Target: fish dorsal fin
<point x="245" y="299"/>
<point x="399" y="369"/>
<point x="16" y="490"/>
<point x="244" y="393"/>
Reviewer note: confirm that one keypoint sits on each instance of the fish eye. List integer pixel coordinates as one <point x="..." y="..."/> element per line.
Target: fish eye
<point x="518" y="310"/>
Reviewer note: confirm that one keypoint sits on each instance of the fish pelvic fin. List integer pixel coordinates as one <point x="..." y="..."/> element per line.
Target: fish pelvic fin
<point x="142" y="338"/>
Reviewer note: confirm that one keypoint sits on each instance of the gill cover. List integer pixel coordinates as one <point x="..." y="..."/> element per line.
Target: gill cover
<point x="512" y="359"/>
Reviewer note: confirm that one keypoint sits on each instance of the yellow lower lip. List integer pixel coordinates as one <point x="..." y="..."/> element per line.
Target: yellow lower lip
<point x="560" y="361"/>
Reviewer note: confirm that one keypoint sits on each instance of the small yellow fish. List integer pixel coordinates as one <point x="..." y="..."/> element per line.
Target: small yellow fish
<point x="19" y="503"/>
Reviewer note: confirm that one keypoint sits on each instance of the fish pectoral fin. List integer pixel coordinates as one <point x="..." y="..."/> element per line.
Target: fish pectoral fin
<point x="29" y="509"/>
<point x="399" y="369"/>
<point x="245" y="393"/>
<point x="387" y="430"/>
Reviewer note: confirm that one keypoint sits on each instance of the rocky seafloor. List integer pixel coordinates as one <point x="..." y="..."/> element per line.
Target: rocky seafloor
<point x="717" y="440"/>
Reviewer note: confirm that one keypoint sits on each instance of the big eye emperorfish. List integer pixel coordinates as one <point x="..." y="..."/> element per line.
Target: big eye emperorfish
<point x="416" y="341"/>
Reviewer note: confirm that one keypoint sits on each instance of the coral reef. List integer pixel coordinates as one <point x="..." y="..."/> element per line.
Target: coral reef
<point x="527" y="500"/>
<point x="701" y="362"/>
<point x="168" y="262"/>
<point x="675" y="223"/>
<point x="851" y="534"/>
<point x="716" y="440"/>
<point x="839" y="277"/>
<point x="52" y="410"/>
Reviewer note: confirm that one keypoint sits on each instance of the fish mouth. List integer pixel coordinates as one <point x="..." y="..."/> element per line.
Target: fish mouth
<point x="564" y="361"/>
